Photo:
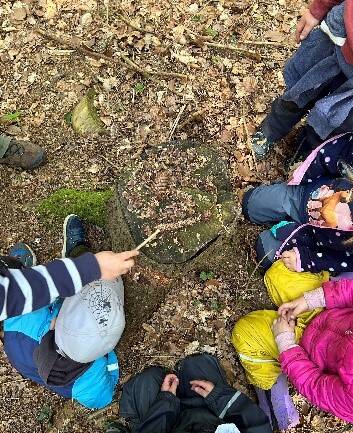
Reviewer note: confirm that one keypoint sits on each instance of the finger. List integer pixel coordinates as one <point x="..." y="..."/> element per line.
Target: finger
<point x="128" y="264"/>
<point x="200" y="383"/>
<point x="126" y="255"/>
<point x="174" y="384"/>
<point x="200" y="391"/>
<point x="307" y="29"/>
<point x="300" y="27"/>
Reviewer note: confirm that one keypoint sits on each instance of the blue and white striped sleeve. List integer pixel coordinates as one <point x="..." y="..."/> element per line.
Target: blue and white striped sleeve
<point x="26" y="290"/>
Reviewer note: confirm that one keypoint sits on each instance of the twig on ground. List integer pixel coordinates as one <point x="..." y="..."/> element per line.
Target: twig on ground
<point x="176" y="122"/>
<point x="132" y="25"/>
<point x="194" y="116"/>
<point x="110" y="163"/>
<point x="247" y="136"/>
<point x="267" y="43"/>
<point x="100" y="412"/>
<point x="121" y="58"/>
<point x="203" y="41"/>
<point x="255" y="269"/>
<point x="149" y="239"/>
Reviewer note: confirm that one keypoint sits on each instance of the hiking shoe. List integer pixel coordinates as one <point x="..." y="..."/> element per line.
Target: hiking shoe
<point x="24" y="254"/>
<point x="22" y="154"/>
<point x="261" y="145"/>
<point x="74" y="235"/>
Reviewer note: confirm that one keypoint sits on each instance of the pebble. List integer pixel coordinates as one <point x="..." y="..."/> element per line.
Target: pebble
<point x="86" y="19"/>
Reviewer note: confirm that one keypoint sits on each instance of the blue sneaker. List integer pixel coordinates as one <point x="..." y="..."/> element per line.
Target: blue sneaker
<point x="74" y="234"/>
<point x="261" y="145"/>
<point x="24" y="254"/>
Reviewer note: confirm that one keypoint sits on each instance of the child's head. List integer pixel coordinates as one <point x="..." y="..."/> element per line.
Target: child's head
<point x="90" y="324"/>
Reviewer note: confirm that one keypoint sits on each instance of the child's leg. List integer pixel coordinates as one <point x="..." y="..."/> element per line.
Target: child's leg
<point x="273" y="203"/>
<point x="266" y="247"/>
<point x="198" y="367"/>
<point x="139" y="393"/>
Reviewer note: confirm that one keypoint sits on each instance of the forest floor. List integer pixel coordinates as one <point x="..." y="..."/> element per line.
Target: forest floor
<point x="224" y="97"/>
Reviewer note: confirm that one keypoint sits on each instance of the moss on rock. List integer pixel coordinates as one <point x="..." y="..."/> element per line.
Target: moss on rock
<point x="89" y="205"/>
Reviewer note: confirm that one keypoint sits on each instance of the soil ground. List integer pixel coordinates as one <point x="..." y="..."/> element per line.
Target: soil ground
<point x="229" y="90"/>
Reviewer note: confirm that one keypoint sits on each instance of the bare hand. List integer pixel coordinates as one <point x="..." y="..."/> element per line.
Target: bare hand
<point x="281" y="325"/>
<point x="306" y="23"/>
<point x="291" y="310"/>
<point x="289" y="258"/>
<point x="170" y="383"/>
<point x="202" y="387"/>
<point x="112" y="265"/>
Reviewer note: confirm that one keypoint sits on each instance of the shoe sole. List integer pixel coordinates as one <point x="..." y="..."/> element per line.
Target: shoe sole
<point x="63" y="251"/>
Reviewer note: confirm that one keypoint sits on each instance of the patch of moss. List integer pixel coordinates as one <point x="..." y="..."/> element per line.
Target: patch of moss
<point x="89" y="205"/>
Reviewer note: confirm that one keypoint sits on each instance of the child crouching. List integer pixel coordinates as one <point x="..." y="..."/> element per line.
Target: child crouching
<point x="314" y="212"/>
<point x="311" y="346"/>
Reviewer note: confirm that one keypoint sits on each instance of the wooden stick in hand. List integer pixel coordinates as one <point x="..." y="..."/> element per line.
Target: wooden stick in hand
<point x="150" y="238"/>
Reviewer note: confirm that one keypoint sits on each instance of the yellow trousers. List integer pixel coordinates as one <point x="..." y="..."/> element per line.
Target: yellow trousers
<point x="252" y="335"/>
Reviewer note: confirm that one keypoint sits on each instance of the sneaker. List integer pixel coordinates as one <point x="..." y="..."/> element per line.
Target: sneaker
<point x="74" y="234"/>
<point x="261" y="145"/>
<point x="24" y="254"/>
<point x="22" y="154"/>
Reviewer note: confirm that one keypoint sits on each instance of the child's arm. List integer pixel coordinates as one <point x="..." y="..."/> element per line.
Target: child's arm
<point x="320" y="8"/>
<point x="338" y="294"/>
<point x="28" y="289"/>
<point x="327" y="391"/>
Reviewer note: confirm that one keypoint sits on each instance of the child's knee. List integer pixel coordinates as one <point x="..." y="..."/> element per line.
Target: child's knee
<point x="245" y="203"/>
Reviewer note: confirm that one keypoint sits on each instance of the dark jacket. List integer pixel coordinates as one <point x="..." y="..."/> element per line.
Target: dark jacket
<point x="169" y="414"/>
<point x="325" y="242"/>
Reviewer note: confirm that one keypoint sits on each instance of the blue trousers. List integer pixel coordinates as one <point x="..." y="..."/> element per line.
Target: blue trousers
<point x="270" y="204"/>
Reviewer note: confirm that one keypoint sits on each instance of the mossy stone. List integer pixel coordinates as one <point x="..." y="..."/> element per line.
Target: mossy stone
<point x="181" y="245"/>
<point x="85" y="119"/>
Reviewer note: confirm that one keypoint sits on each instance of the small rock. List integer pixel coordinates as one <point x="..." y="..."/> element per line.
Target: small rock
<point x="86" y="19"/>
<point x="94" y="169"/>
<point x="19" y="13"/>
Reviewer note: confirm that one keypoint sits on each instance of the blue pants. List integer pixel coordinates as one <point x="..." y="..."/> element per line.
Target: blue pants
<point x="268" y="204"/>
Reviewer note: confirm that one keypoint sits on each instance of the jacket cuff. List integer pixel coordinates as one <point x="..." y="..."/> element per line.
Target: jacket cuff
<point x="315" y="298"/>
<point x="285" y="341"/>
<point x="298" y="263"/>
<point x="319" y="10"/>
<point x="87" y="267"/>
<point x="169" y="396"/>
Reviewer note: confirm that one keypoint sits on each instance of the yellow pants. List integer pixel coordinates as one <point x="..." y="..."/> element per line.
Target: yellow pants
<point x="252" y="335"/>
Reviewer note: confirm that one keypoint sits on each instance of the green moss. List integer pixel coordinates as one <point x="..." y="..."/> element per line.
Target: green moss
<point x="89" y="205"/>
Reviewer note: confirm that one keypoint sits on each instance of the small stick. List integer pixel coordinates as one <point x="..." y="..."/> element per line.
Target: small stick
<point x="134" y="26"/>
<point x="110" y="163"/>
<point x="175" y="124"/>
<point x="267" y="43"/>
<point x="193" y="116"/>
<point x="150" y="238"/>
<point x="248" y="141"/>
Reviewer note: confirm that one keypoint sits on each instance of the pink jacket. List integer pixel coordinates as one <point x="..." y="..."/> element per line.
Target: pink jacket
<point x="321" y="368"/>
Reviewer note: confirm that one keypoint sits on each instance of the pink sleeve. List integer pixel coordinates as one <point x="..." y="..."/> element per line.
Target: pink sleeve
<point x="327" y="391"/>
<point x="315" y="298"/>
<point x="338" y="294"/>
<point x="319" y="8"/>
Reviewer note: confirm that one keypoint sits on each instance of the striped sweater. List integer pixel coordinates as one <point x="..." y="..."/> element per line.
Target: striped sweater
<point x="28" y="289"/>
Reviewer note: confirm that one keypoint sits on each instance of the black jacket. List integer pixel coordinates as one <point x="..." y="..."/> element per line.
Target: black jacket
<point x="169" y="414"/>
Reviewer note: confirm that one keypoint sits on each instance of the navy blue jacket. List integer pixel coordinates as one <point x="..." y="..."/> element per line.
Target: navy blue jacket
<point x="325" y="242"/>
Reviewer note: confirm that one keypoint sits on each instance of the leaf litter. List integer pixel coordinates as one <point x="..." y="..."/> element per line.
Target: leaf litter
<point x="44" y="81"/>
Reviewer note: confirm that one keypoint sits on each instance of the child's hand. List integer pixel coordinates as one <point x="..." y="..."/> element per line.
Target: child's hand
<point x="112" y="265"/>
<point x="291" y="310"/>
<point x="202" y="387"/>
<point x="281" y="325"/>
<point x="289" y="259"/>
<point x="170" y="383"/>
<point x="306" y="23"/>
